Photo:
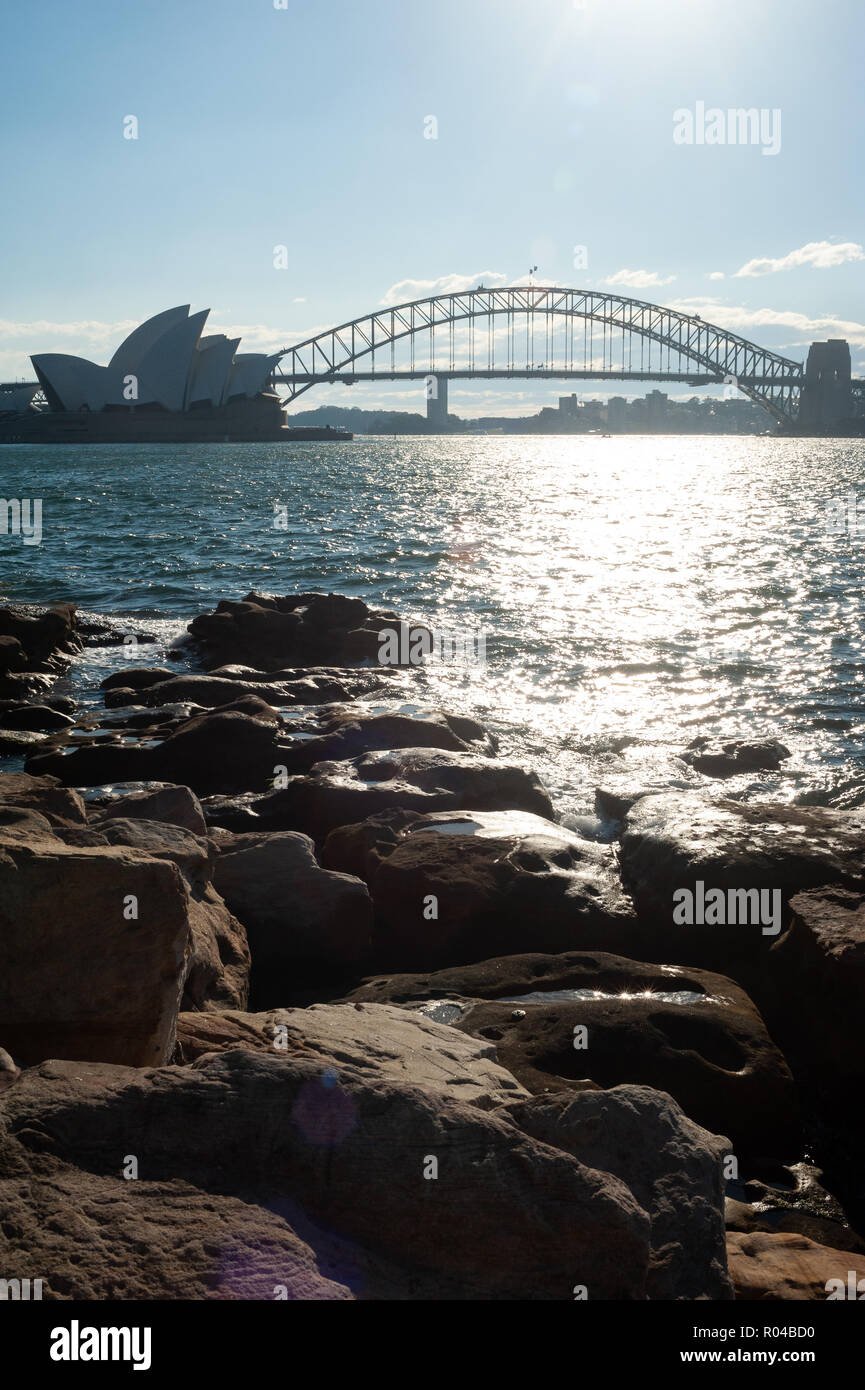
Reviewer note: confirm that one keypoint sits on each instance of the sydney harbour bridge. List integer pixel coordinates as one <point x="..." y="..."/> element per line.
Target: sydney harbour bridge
<point x="539" y="332"/>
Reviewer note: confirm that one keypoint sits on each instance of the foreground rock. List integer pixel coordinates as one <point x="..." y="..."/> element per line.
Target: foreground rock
<point x="295" y="630"/>
<point x="672" y="1166"/>
<point x="415" y="779"/>
<point x="693" y="1034"/>
<point x="300" y="919"/>
<point x="779" y="1265"/>
<point x="507" y="1217"/>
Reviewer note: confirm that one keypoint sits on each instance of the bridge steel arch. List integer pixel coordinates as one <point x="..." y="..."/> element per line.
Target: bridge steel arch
<point x="769" y="379"/>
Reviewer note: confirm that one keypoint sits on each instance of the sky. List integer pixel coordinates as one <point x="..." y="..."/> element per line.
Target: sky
<point x="399" y="147"/>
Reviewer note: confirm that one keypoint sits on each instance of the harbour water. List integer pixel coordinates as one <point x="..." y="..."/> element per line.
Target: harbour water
<point x="633" y="592"/>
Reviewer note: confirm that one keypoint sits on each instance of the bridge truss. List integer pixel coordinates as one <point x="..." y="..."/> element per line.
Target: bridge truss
<point x="537" y="331"/>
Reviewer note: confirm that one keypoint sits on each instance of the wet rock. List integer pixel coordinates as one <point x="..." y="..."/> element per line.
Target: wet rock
<point x="611" y="806"/>
<point x="676" y="842"/>
<point x="220" y="752"/>
<point x="299" y="917"/>
<point x="267" y="631"/>
<point x="824" y="1230"/>
<point x="38" y="717"/>
<point x="466" y="888"/>
<point x="12" y="655"/>
<point x="418" y="779"/>
<point x="508" y="1217"/>
<point x="137" y="678"/>
<point x="780" y="1265"/>
<point x="348" y="734"/>
<point x="672" y="1166"/>
<point x="693" y="1034"/>
<point x="15" y="743"/>
<point x="48" y="637"/>
<point x="738" y="756"/>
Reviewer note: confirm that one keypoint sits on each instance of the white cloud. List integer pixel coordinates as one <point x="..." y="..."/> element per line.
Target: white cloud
<point x="406" y="290"/>
<point x="741" y="320"/>
<point x="822" y="255"/>
<point x="639" y="279"/>
<point x="716" y="275"/>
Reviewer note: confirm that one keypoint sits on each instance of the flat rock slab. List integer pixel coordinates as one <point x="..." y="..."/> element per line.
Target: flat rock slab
<point x="772" y="1265"/>
<point x="377" y="1039"/>
<point x="417" y="779"/>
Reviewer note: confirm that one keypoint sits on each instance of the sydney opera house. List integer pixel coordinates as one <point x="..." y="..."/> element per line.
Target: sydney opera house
<point x="165" y="384"/>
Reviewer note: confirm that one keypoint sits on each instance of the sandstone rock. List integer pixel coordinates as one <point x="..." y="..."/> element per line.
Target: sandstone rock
<point x="512" y="881"/>
<point x="48" y="637"/>
<point x="672" y="1166"/>
<point x="348" y="734"/>
<point x="77" y="977"/>
<point x="58" y="804"/>
<point x="716" y="1060"/>
<point x="9" y="1073"/>
<point x="822" y="959"/>
<point x="299" y="917"/>
<point x="95" y="1238"/>
<point x="675" y="841"/>
<point x="780" y="1265"/>
<point x="300" y="629"/>
<point x="218" y="962"/>
<point x="691" y="1033"/>
<point x="377" y="1039"/>
<point x="170" y="804"/>
<point x="418" y="779"/>
<point x="508" y="1217"/>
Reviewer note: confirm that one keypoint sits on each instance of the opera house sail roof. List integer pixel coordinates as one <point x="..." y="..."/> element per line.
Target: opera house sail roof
<point x="164" y="364"/>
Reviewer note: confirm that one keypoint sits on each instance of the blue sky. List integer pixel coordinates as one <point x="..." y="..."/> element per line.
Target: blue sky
<point x="304" y="126"/>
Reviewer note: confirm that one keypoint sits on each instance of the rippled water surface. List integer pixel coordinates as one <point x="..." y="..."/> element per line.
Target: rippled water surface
<point x="635" y="592"/>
